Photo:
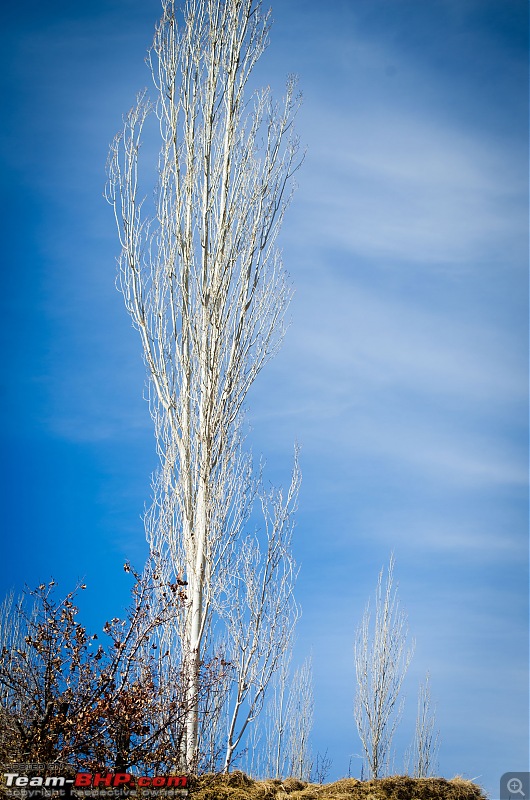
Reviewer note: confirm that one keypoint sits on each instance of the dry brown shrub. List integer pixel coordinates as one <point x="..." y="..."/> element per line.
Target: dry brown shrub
<point x="238" y="786"/>
<point x="293" y="785"/>
<point x="234" y="786"/>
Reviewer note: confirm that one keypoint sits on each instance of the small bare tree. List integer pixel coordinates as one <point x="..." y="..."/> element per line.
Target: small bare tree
<point x="289" y="721"/>
<point x="381" y="662"/>
<point x="274" y="757"/>
<point x="204" y="285"/>
<point x="259" y="610"/>
<point x="322" y="766"/>
<point x="300" y="723"/>
<point x="423" y="754"/>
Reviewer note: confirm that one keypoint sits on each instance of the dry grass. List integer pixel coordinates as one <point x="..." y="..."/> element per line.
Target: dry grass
<point x="238" y="786"/>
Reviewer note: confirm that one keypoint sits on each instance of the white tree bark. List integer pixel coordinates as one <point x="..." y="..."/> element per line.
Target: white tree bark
<point x="381" y="662"/>
<point x="204" y="285"/>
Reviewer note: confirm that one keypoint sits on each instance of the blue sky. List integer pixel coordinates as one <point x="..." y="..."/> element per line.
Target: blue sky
<point x="403" y="374"/>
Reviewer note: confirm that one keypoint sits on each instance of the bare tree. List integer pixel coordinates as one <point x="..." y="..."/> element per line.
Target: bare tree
<point x="203" y="282"/>
<point x="424" y="750"/>
<point x="260" y="611"/>
<point x="286" y="751"/>
<point x="322" y="766"/>
<point x="381" y="662"/>
<point x="252" y="763"/>
<point x="274" y="761"/>
<point x="300" y="722"/>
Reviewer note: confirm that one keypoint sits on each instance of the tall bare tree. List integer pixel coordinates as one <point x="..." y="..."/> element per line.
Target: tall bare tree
<point x="422" y="755"/>
<point x="381" y="662"/>
<point x="204" y="284"/>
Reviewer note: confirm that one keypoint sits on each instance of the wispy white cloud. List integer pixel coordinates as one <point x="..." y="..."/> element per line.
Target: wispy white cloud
<point x="378" y="373"/>
<point x="403" y="349"/>
<point x="395" y="170"/>
<point x="398" y="187"/>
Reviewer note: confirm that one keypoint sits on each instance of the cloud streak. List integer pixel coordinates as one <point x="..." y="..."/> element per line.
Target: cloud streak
<point x="404" y="189"/>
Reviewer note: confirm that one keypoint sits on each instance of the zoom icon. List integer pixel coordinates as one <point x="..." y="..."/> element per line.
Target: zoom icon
<point x="515" y="786"/>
